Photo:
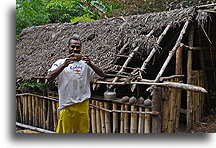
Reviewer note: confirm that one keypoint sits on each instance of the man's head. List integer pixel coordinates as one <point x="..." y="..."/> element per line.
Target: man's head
<point x="74" y="44"/>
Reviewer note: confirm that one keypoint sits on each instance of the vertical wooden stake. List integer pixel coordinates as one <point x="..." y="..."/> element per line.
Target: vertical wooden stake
<point x="122" y="119"/>
<point x="93" y="118"/>
<point x="133" y="128"/>
<point x="30" y="109"/>
<point x="54" y="115"/>
<point x="126" y="123"/>
<point x="115" y="118"/>
<point x="147" y="121"/>
<point x="98" y="121"/>
<point x="102" y="118"/>
<point x="107" y="118"/>
<point x="33" y="110"/>
<point x="189" y="77"/>
<point x="156" y="106"/>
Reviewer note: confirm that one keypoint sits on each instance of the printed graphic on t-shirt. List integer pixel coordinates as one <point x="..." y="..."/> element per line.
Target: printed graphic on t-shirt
<point x="76" y="69"/>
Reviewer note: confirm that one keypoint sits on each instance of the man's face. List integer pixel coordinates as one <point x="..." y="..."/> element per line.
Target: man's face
<point x="74" y="47"/>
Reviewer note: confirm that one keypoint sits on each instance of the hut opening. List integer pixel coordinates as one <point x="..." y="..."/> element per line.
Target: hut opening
<point x="166" y="58"/>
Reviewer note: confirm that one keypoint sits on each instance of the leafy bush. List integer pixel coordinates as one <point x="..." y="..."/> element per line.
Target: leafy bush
<point x="84" y="18"/>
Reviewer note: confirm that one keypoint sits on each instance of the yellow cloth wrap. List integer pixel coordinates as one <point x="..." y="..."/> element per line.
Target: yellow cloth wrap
<point x="74" y="118"/>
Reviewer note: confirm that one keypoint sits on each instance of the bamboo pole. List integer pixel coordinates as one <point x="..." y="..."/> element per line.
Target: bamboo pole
<point x="39" y="112"/>
<point x="20" y="109"/>
<point x="33" y="128"/>
<point x="17" y="111"/>
<point x="44" y="114"/>
<point x="126" y="120"/>
<point x="133" y="124"/>
<point x="171" y="53"/>
<point x="102" y="117"/>
<point x="156" y="106"/>
<point x="115" y="118"/>
<point x="171" y="116"/>
<point x="26" y="109"/>
<point x="147" y="121"/>
<point x="30" y="110"/>
<point x="55" y="120"/>
<point x="141" y="121"/>
<point x="122" y="119"/>
<point x="107" y="118"/>
<point x="153" y="51"/>
<point x="189" y="74"/>
<point x="125" y="65"/>
<point x="98" y="121"/>
<point x="33" y="110"/>
<point x="93" y="118"/>
<point x="178" y="71"/>
<point x="48" y="114"/>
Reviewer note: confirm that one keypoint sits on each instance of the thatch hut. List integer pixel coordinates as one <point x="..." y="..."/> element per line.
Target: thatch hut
<point x="167" y="57"/>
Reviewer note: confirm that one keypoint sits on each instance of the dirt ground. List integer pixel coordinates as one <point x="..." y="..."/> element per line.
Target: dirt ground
<point x="206" y="125"/>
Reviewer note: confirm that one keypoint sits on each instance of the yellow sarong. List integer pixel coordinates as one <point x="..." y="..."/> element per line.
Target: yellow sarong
<point x="74" y="118"/>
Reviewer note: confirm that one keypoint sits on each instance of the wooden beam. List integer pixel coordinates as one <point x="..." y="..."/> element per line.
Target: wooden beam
<point x="189" y="77"/>
<point x="188" y="87"/>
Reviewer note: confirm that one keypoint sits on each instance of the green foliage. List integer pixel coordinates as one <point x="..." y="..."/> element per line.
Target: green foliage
<point x="39" y="12"/>
<point x="30" y="13"/>
<point x="84" y="18"/>
<point x="32" y="84"/>
<point x="63" y="10"/>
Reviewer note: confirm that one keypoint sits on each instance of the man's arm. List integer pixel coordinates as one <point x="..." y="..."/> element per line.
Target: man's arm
<point x="53" y="74"/>
<point x="97" y="70"/>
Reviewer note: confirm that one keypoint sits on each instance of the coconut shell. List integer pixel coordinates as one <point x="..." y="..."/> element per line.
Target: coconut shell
<point x="132" y="100"/>
<point x="125" y="99"/>
<point x="141" y="100"/>
<point x="78" y="56"/>
<point x="147" y="102"/>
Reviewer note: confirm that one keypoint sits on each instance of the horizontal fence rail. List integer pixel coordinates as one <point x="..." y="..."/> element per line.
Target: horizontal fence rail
<point x="105" y="116"/>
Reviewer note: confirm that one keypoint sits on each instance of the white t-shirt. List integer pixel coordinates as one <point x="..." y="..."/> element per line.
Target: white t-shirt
<point x="74" y="82"/>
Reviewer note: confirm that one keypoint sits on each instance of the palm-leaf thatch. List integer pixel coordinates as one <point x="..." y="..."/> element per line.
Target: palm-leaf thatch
<point x="40" y="46"/>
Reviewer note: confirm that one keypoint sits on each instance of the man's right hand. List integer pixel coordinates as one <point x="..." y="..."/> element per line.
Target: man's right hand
<point x="69" y="60"/>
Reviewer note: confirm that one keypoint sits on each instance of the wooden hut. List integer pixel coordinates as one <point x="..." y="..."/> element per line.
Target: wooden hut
<point x="166" y="58"/>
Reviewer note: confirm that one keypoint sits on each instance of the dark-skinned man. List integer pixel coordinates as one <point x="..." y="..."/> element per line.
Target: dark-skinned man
<point x="74" y="88"/>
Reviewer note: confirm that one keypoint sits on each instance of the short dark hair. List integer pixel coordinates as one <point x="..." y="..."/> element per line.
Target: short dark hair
<point x="74" y="37"/>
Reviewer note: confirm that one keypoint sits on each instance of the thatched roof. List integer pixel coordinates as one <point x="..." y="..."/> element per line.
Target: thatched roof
<point x="40" y="46"/>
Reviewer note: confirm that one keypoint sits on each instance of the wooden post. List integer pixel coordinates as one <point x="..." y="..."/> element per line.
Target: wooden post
<point x="189" y="77"/>
<point x="126" y="123"/>
<point x="44" y="113"/>
<point x="102" y="117"/>
<point x="178" y="71"/>
<point x="141" y="121"/>
<point x="93" y="120"/>
<point x="147" y="121"/>
<point x="156" y="106"/>
<point x="98" y="121"/>
<point x="122" y="119"/>
<point x="133" y="128"/>
<point x="30" y="110"/>
<point x="54" y="115"/>
<point x="115" y="118"/>
<point x="107" y="118"/>
<point x="33" y="110"/>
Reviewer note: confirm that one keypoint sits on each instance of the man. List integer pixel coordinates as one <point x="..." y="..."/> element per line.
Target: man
<point x="74" y="88"/>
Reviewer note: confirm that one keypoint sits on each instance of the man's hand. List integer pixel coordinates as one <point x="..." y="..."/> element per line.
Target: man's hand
<point x="69" y="60"/>
<point x="86" y="59"/>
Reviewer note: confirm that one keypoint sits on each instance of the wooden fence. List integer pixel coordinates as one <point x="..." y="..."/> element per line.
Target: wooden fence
<point x="106" y="116"/>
